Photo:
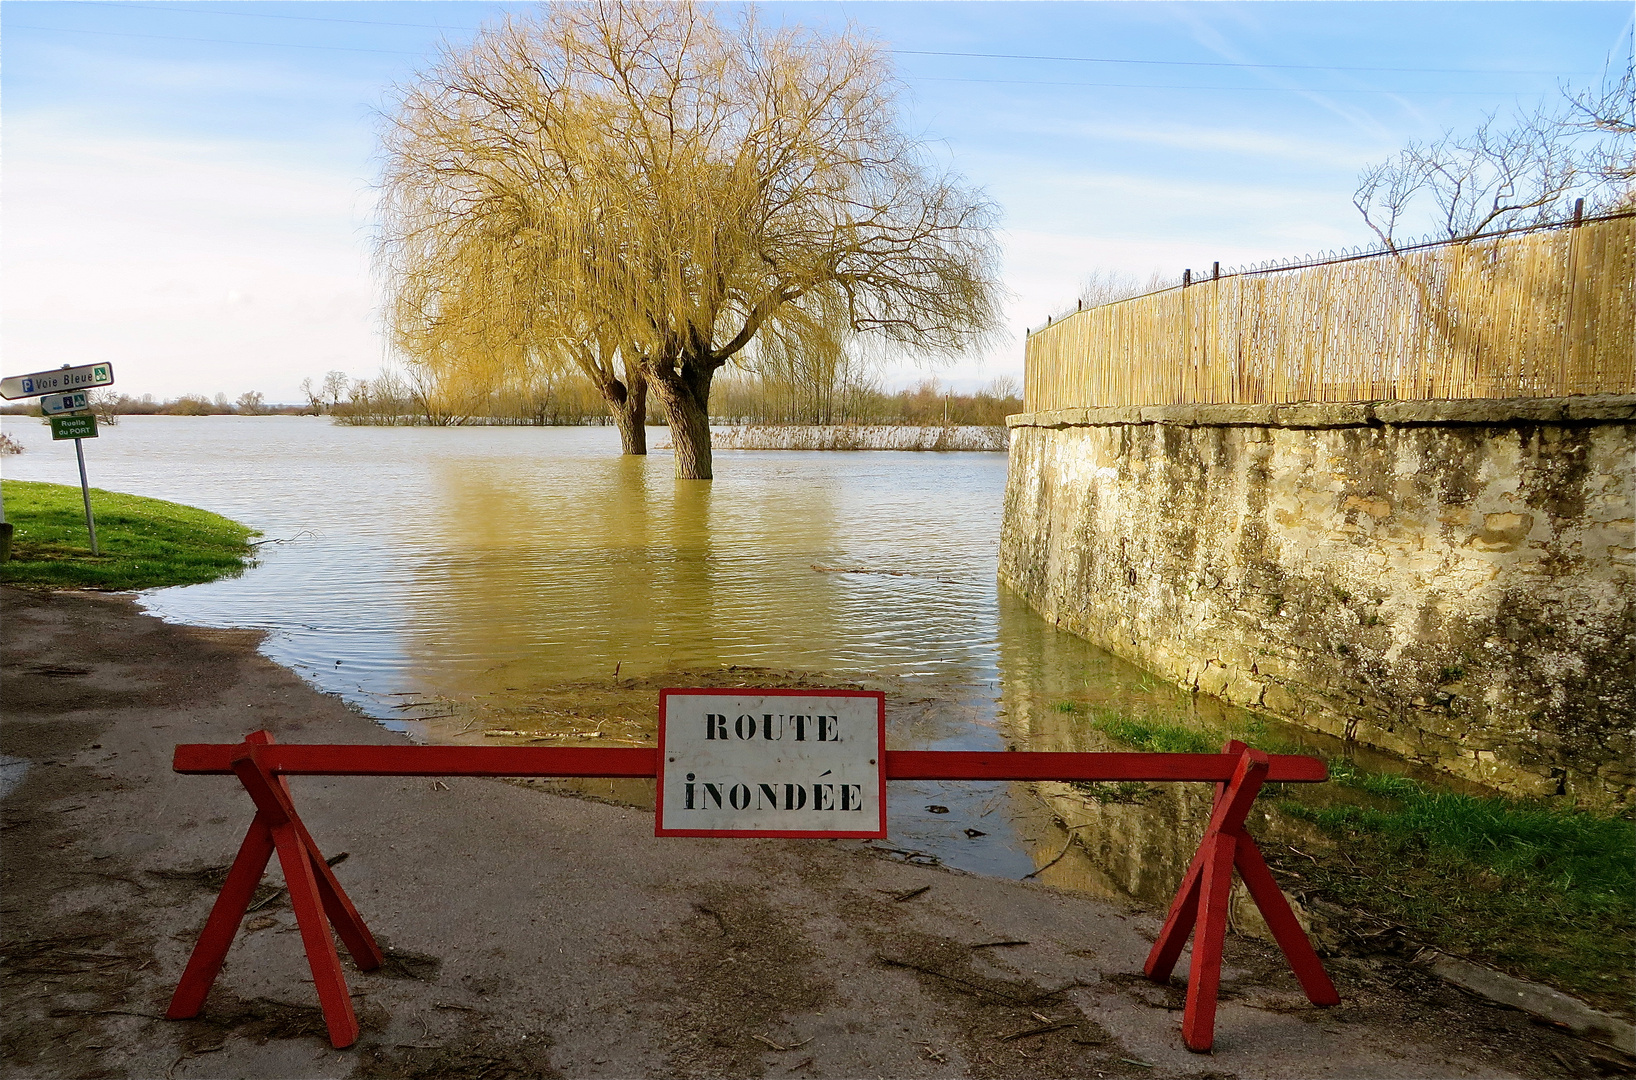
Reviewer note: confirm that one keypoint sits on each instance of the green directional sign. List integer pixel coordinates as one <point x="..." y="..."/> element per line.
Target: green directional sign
<point x="73" y="426"/>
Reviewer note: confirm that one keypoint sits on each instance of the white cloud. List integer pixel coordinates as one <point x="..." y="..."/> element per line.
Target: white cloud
<point x="1262" y="146"/>
<point x="215" y="78"/>
<point x="195" y="266"/>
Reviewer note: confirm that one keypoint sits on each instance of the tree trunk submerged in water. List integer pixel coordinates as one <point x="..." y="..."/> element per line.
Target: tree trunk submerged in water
<point x="628" y="405"/>
<point x="686" y="394"/>
<point x="631" y="417"/>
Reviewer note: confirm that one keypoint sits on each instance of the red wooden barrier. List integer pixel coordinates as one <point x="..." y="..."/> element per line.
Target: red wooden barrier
<point x="319" y="901"/>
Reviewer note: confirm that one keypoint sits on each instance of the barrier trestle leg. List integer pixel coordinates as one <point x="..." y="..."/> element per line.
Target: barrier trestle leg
<point x="315" y="895"/>
<point x="1198" y="911"/>
<point x="1200" y="907"/>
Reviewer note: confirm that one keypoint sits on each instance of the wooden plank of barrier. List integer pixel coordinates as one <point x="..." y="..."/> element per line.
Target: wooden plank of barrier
<point x="349" y="760"/>
<point x="1199" y="909"/>
<point x="315" y="895"/>
<point x="1286" y="929"/>
<point x="222" y="926"/>
<point x="622" y="762"/>
<point x="302" y="886"/>
<point x="1204" y="973"/>
<point x="1200" y="906"/>
<point x="337" y="905"/>
<point x="228" y="911"/>
<point x="1032" y="765"/>
<point x="1215" y="893"/>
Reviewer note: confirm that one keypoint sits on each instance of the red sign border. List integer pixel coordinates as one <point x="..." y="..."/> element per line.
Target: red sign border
<point x="751" y="691"/>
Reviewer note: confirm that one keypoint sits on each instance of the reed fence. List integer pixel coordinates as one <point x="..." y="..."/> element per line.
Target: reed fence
<point x="1547" y="312"/>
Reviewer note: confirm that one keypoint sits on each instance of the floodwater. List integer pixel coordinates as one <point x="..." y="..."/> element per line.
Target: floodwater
<point x="452" y="580"/>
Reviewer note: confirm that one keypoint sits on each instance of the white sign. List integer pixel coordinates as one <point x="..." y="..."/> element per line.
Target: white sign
<point x="57" y="382"/>
<point x="61" y="403"/>
<point x="772" y="763"/>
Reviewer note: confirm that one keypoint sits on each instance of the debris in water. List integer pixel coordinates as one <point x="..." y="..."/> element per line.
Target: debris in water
<point x="1060" y="856"/>
<point x="513" y="733"/>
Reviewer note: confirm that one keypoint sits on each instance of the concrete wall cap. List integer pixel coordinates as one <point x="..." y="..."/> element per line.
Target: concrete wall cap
<point x="1586" y="409"/>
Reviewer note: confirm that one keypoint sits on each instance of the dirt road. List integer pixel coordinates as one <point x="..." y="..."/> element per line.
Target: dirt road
<point x="538" y="935"/>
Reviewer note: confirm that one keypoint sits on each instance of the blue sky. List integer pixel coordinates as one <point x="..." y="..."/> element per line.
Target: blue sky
<point x="186" y="188"/>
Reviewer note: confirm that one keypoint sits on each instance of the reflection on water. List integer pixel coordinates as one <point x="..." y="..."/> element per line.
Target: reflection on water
<point x="612" y="563"/>
<point x="443" y="578"/>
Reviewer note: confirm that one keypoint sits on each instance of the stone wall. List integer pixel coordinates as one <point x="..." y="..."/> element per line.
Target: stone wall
<point x="1451" y="581"/>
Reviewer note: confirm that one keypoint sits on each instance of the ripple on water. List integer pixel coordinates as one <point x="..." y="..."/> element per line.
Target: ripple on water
<point x="475" y="566"/>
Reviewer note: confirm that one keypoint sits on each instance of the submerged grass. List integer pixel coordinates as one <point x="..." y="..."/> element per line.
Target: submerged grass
<point x="1541" y="889"/>
<point x="1110" y="792"/>
<point x="1156" y="736"/>
<point x="144" y="543"/>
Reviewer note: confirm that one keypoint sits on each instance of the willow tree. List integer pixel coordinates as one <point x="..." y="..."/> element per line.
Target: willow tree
<point x="647" y="192"/>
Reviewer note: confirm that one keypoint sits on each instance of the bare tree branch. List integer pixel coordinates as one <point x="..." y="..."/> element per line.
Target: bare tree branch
<point x="1509" y="172"/>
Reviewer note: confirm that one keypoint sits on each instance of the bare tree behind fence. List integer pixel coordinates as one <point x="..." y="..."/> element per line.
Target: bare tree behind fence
<point x="1540" y="313"/>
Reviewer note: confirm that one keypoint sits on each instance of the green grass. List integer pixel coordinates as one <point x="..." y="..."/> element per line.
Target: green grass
<point x="144" y="543"/>
<point x="1156" y="735"/>
<point x="1544" y="891"/>
<point x="1540" y="889"/>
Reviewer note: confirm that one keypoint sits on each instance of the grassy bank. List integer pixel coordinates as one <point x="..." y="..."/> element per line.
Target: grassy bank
<point x="1541" y="890"/>
<point x="144" y="543"/>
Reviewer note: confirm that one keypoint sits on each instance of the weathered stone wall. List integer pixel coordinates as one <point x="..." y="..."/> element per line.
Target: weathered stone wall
<point x="1451" y="581"/>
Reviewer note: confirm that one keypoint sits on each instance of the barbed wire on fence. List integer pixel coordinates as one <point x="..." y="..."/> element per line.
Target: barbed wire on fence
<point x="1354" y="254"/>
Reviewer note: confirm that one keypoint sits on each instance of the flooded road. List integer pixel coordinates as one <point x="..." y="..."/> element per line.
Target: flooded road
<point x="452" y="581"/>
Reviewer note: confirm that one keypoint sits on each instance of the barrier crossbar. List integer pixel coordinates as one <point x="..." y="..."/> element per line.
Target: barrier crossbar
<point x="1199" y="909"/>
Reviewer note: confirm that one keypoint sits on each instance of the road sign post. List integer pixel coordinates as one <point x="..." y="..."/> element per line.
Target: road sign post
<point x="64" y="399"/>
<point x="85" y="492"/>
<point x="79" y="426"/>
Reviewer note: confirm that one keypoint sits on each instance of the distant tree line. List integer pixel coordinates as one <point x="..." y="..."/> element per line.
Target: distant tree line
<point x="109" y="405"/>
<point x="753" y="399"/>
<point x="567" y="397"/>
<point x="564" y="397"/>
